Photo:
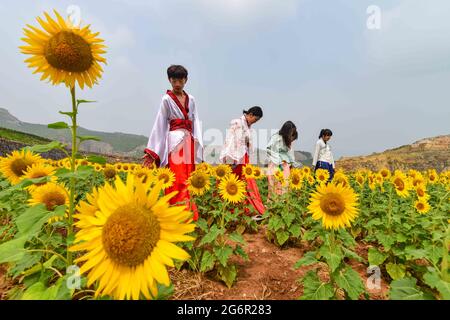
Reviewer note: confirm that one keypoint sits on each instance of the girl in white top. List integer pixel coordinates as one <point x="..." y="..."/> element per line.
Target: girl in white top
<point x="323" y="157"/>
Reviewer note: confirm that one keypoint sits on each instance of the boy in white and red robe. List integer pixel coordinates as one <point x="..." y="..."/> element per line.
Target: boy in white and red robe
<point x="176" y="138"/>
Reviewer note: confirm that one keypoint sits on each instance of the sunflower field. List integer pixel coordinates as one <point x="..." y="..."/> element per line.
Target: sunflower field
<point x="126" y="235"/>
<point x="82" y="228"/>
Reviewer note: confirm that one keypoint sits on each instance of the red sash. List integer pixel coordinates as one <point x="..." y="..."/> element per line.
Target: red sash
<point x="176" y="124"/>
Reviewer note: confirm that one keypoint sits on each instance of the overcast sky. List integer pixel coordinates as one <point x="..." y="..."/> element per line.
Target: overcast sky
<point x="314" y="62"/>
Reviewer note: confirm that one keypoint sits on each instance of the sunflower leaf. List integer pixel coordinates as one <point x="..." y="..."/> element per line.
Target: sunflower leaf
<point x="396" y="271"/>
<point x="314" y="289"/>
<point x="96" y="159"/>
<point x="349" y="280"/>
<point x="376" y="257"/>
<point x="40" y="148"/>
<point x="237" y="237"/>
<point x="308" y="259"/>
<point x="13" y="250"/>
<point x="282" y="236"/>
<point x="223" y="254"/>
<point x="31" y="221"/>
<point x="333" y="256"/>
<point x="240" y="251"/>
<point x="405" y="289"/>
<point x="84" y="101"/>
<point x="228" y="274"/>
<point x="58" y="125"/>
<point x="207" y="262"/>
<point x="86" y="138"/>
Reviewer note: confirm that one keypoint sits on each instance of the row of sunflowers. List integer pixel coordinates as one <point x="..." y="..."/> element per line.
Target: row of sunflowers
<point x="126" y="233"/>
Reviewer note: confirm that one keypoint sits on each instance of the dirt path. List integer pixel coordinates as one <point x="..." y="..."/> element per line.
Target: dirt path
<point x="269" y="275"/>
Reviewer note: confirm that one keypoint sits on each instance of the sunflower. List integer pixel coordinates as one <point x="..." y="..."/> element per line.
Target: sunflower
<point x="109" y="172"/>
<point x="279" y="175"/>
<point x="421" y="191"/>
<point x="64" y="53"/>
<point x="322" y="175"/>
<point x="372" y="181"/>
<point x="98" y="167"/>
<point x="232" y="189"/>
<point x="52" y="195"/>
<point x="14" y="166"/>
<point x="422" y="206"/>
<point x="39" y="170"/>
<point x="118" y="166"/>
<point x="306" y="171"/>
<point x="125" y="167"/>
<point x="222" y="170"/>
<point x="129" y="239"/>
<point x="341" y="178"/>
<point x="401" y="184"/>
<point x="257" y="173"/>
<point x="433" y="177"/>
<point x="248" y="170"/>
<point x="144" y="174"/>
<point x="335" y="205"/>
<point x="385" y="173"/>
<point x="133" y="167"/>
<point x="199" y="182"/>
<point x="360" y="179"/>
<point x="166" y="175"/>
<point x="310" y="178"/>
<point x="204" y="166"/>
<point x="418" y="179"/>
<point x="296" y="179"/>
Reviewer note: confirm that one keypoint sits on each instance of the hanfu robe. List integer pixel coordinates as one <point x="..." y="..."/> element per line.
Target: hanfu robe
<point x="176" y="142"/>
<point x="237" y="151"/>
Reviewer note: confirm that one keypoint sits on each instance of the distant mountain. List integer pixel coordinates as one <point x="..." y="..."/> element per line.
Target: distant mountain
<point x="424" y="154"/>
<point x="113" y="143"/>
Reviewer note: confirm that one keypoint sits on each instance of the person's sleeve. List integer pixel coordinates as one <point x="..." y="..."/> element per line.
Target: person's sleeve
<point x="197" y="131"/>
<point x="316" y="153"/>
<point x="232" y="142"/>
<point x="157" y="142"/>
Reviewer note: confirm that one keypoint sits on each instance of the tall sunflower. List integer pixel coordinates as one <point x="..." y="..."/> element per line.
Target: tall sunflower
<point x="360" y="179"/>
<point x="144" y="174"/>
<point x="166" y="175"/>
<point x="341" y="178"/>
<point x="232" y="189"/>
<point x="64" y="53"/>
<point x="15" y="165"/>
<point x="336" y="205"/>
<point x="199" y="182"/>
<point x="433" y="176"/>
<point x="129" y="238"/>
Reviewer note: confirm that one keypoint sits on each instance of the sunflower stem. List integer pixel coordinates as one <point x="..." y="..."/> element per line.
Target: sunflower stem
<point x="72" y="169"/>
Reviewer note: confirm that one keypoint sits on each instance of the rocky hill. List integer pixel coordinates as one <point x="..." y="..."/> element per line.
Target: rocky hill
<point x="421" y="155"/>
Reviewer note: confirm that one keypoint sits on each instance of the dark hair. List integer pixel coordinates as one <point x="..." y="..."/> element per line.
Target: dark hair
<point x="256" y="111"/>
<point x="177" y="72"/>
<point x="289" y="133"/>
<point x="325" y="132"/>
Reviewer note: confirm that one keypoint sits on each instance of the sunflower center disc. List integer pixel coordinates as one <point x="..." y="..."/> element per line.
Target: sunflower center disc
<point x="109" y="173"/>
<point x="399" y="184"/>
<point x="53" y="199"/>
<point x="232" y="189"/>
<point x="296" y="180"/>
<point x="69" y="52"/>
<point x="332" y="204"/>
<point x="420" y="206"/>
<point x="19" y="166"/>
<point x="130" y="235"/>
<point x="198" y="182"/>
<point x="220" y="172"/>
<point x="164" y="177"/>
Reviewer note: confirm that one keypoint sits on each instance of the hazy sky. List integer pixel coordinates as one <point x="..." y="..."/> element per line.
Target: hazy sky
<point x="314" y="62"/>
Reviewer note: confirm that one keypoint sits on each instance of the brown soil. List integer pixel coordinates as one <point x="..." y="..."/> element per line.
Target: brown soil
<point x="5" y="282"/>
<point x="268" y="275"/>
